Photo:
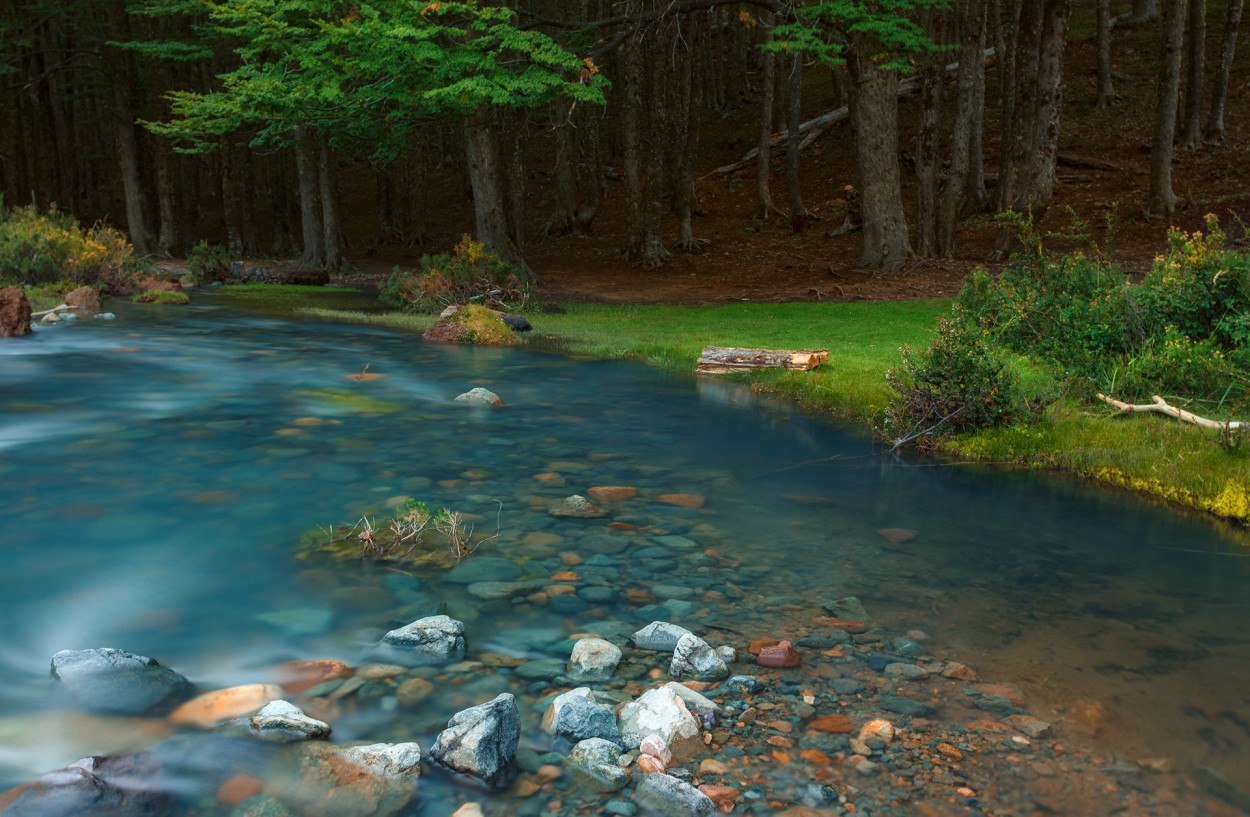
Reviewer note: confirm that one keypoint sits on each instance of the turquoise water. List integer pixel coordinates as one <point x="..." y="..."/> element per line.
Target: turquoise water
<point x="156" y="485"/>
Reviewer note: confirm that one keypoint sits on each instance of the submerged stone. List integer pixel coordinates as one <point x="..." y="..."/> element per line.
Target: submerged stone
<point x="111" y="680"/>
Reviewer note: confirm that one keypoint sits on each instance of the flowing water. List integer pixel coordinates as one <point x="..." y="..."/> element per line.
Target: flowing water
<point x="158" y="472"/>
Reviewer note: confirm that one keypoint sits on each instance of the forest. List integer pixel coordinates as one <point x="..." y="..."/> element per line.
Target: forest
<point x="318" y="129"/>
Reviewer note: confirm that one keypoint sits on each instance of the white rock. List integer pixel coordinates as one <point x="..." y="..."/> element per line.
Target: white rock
<point x="663" y="713"/>
<point x="593" y="659"/>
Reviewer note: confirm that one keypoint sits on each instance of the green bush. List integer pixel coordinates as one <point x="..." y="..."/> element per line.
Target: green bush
<point x="45" y="247"/>
<point x="208" y="262"/>
<point x="1176" y="364"/>
<point x="160" y="296"/>
<point x="470" y="273"/>
<point x="955" y="384"/>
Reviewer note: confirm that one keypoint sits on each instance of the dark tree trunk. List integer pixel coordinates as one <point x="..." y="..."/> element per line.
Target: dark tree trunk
<point x="875" y="114"/>
<point x="311" y="220"/>
<point x="1162" y="201"/>
<point x="630" y="95"/>
<point x="929" y="142"/>
<point x="566" y="160"/>
<point x="966" y="129"/>
<point x="794" y="117"/>
<point x="590" y="174"/>
<point x="1144" y="11"/>
<point x="490" y="186"/>
<point x="1214" y="129"/>
<point x="330" y="227"/>
<point x="231" y="199"/>
<point x="1195" y="56"/>
<point x="1106" y="92"/>
<point x="685" y="127"/>
<point x="167" y="237"/>
<point x="654" y="253"/>
<point x="763" y="159"/>
<point x="1027" y="179"/>
<point x="123" y="122"/>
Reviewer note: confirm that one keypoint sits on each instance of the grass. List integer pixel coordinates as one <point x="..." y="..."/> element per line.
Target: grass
<point x="1181" y="464"/>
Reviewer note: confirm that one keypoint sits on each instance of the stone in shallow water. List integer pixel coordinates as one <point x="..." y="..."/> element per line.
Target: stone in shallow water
<point x="427" y="641"/>
<point x="594" y="761"/>
<point x="667" y="796"/>
<point x="611" y="493"/>
<point x="908" y="672"/>
<point x="283" y="722"/>
<point x="849" y="607"/>
<point x="481" y="741"/>
<point x="694" y="658"/>
<point x="224" y="705"/>
<point x="593" y="659"/>
<point x="660" y="712"/>
<point x="575" y="716"/>
<point x="576" y="507"/>
<point x="121" y="786"/>
<point x="781" y="655"/>
<point x="110" y="680"/>
<point x="660" y="636"/>
<point x="479" y="397"/>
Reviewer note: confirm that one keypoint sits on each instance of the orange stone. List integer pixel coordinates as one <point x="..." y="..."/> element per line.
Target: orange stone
<point x="570" y="559"/>
<point x="215" y="708"/>
<point x="682" y="500"/>
<point x="611" y="493"/>
<point x="550" y="476"/>
<point x="297" y="676"/>
<point x="650" y="765"/>
<point x="1008" y="691"/>
<point x="561" y="590"/>
<point x="782" y="758"/>
<point x="897" y="535"/>
<point x="622" y="526"/>
<point x="950" y="751"/>
<point x="637" y="595"/>
<point x="566" y="576"/>
<point x="816" y="758"/>
<point x="237" y="789"/>
<point x="760" y="643"/>
<point x="833" y="724"/>
<point x="781" y="742"/>
<point x="719" y="792"/>
<point x="310" y="421"/>
<point x="850" y="625"/>
<point x="781" y="655"/>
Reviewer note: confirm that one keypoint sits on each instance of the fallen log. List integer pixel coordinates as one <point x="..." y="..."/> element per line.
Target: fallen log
<point x="1160" y="406"/>
<point x="55" y="309"/>
<point x="721" y="359"/>
<point x="909" y="85"/>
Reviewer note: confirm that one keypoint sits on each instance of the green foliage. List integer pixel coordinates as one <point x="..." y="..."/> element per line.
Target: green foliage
<point x="888" y="30"/>
<point x="208" y="262"/>
<point x="45" y="247"/>
<point x="957" y="383"/>
<point x="371" y="72"/>
<point x="160" y="296"/>
<point x="470" y="273"/>
<point x="1174" y="363"/>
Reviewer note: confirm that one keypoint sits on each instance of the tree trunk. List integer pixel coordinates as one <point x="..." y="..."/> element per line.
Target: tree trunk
<point x="1144" y="11"/>
<point x="330" y="227"/>
<point x="1214" y="129"/>
<point x="490" y="194"/>
<point x="875" y="115"/>
<point x="1027" y="179"/>
<point x="123" y="122"/>
<point x="685" y="129"/>
<point x="654" y="253"/>
<point x="631" y="146"/>
<point x="590" y="174"/>
<point x="311" y="219"/>
<point x="929" y="141"/>
<point x="969" y="100"/>
<point x="167" y="236"/>
<point x="1162" y="201"/>
<point x="768" y="80"/>
<point x="1196" y="46"/>
<point x="231" y="199"/>
<point x="566" y="160"/>
<point x="794" y="118"/>
<point x="1106" y="92"/>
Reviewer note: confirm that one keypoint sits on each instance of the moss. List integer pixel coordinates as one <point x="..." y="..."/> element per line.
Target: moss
<point x="160" y="296"/>
<point x="473" y="324"/>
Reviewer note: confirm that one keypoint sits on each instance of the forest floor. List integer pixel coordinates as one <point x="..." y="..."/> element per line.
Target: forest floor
<point x="748" y="259"/>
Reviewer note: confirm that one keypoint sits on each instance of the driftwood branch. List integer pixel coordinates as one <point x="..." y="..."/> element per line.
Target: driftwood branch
<point x="822" y="123"/>
<point x="1160" y="406"/>
<point x="61" y="308"/>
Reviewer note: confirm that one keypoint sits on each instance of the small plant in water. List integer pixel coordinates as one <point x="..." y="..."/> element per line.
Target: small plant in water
<point x="403" y="535"/>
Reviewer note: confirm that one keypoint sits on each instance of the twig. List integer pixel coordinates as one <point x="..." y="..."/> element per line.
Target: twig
<point x="899" y="443"/>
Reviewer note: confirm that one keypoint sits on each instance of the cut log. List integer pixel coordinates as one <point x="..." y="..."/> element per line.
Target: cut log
<point x="721" y="360"/>
<point x="1160" y="406"/>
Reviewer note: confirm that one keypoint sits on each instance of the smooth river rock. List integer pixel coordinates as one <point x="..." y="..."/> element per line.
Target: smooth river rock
<point x="481" y="741"/>
<point x="110" y="680"/>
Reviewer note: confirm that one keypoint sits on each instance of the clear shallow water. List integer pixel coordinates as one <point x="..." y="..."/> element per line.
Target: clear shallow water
<point x="154" y="484"/>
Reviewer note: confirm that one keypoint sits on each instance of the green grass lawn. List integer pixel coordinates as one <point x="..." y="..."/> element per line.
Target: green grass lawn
<point x="1182" y="464"/>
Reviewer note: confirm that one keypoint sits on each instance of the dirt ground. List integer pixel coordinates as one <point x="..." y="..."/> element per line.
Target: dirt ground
<point x="751" y="260"/>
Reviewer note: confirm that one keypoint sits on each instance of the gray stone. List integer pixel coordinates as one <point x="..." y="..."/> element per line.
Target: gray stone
<point x="110" y="680"/>
<point x="333" y="781"/>
<point x="283" y="722"/>
<point x="595" y="762"/>
<point x="694" y="658"/>
<point x="121" y="786"/>
<point x="908" y="672"/>
<point x="262" y="805"/>
<point x="543" y="669"/>
<point x="427" y="641"/>
<point x="385" y="759"/>
<point x="593" y="659"/>
<point x="576" y="507"/>
<point x="482" y="569"/>
<point x="479" y="397"/>
<point x="663" y="713"/>
<point x="481" y="741"/>
<point x="105" y="316"/>
<point x="575" y="716"/>
<point x="503" y="590"/>
<point x="696" y="703"/>
<point x="673" y="541"/>
<point x="849" y="607"/>
<point x="665" y="796"/>
<point x="659" y="636"/>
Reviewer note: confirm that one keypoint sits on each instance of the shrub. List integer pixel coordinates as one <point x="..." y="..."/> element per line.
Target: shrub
<point x="208" y="262"/>
<point x="957" y="383"/>
<point x="472" y="324"/>
<point x="1175" y="363"/>
<point x="44" y="247"/>
<point x="470" y="273"/>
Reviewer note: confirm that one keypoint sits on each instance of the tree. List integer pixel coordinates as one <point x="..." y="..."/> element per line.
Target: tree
<point x="875" y="39"/>
<point x="375" y="74"/>
<point x="1162" y="201"/>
